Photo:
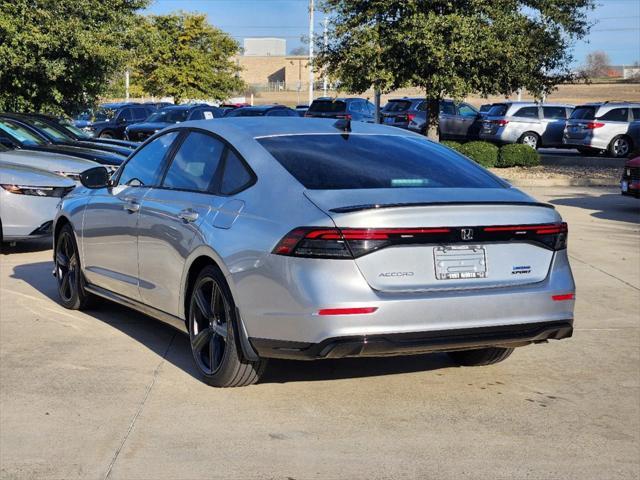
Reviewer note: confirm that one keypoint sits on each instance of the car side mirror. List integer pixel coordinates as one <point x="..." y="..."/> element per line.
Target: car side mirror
<point x="96" y="177"/>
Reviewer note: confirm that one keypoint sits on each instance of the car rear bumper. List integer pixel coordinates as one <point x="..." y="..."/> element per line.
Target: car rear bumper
<point x="587" y="141"/>
<point x="415" y="342"/>
<point x="501" y="137"/>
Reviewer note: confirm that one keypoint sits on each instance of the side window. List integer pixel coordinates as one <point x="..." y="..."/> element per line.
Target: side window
<point x="145" y="166"/>
<point x="195" y="163"/>
<point x="355" y="107"/>
<point x="196" y="115"/>
<point x="527" y="112"/>
<point x="372" y="108"/>
<point x="125" y="114"/>
<point x="422" y="107"/>
<point x="554" y="112"/>
<point x="236" y="176"/>
<point x="140" y="113"/>
<point x="636" y="114"/>
<point x="281" y="112"/>
<point x="616" y="115"/>
<point x="467" y="110"/>
<point x="447" y="108"/>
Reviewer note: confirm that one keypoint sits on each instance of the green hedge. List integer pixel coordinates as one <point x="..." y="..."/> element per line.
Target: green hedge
<point x="517" y="155"/>
<point x="484" y="153"/>
<point x="451" y="144"/>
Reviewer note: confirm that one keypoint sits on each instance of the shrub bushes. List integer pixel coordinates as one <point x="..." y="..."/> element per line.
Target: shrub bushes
<point x="517" y="155"/>
<point x="451" y="144"/>
<point x="484" y="153"/>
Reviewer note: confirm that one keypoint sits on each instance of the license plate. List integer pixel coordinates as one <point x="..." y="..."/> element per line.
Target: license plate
<point x="574" y="129"/>
<point x="625" y="186"/>
<point x="460" y="262"/>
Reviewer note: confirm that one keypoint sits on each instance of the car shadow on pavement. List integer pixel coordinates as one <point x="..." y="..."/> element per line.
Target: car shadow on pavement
<point x="26" y="246"/>
<point x="607" y="206"/>
<point x="167" y="342"/>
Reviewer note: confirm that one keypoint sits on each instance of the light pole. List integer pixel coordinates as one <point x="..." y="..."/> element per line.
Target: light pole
<point x="310" y="51"/>
<point x="326" y="43"/>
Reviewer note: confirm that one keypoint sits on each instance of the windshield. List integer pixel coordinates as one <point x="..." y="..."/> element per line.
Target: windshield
<point x="51" y="131"/>
<point x="104" y="114"/>
<point x="339" y="161"/>
<point x="19" y="133"/>
<point x="75" y="131"/>
<point x="327" y="106"/>
<point x="84" y="116"/>
<point x="168" y="115"/>
<point x="498" y="110"/>
<point x="583" y="113"/>
<point x="397" y="106"/>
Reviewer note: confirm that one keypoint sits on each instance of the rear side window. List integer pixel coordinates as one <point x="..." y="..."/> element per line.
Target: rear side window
<point x="140" y="113"/>
<point x="397" y="106"/>
<point x="125" y="114"/>
<point x="616" y="115"/>
<point x="195" y="163"/>
<point x="374" y="161"/>
<point x="554" y="112"/>
<point x="327" y="106"/>
<point x="584" y="113"/>
<point x="527" y="112"/>
<point x="447" y="108"/>
<point x="636" y="113"/>
<point x="498" y="110"/>
<point x="236" y="176"/>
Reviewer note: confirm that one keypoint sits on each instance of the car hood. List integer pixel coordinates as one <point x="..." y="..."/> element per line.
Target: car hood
<point x="100" y="156"/>
<point x="52" y="162"/>
<point x="13" y="174"/>
<point x="146" y="126"/>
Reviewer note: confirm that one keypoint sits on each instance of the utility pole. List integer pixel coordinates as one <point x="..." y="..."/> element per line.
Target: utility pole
<point x="326" y="44"/>
<point x="126" y="84"/>
<point x="311" y="8"/>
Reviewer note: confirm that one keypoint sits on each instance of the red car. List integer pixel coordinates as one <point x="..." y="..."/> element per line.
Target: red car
<point x="630" y="183"/>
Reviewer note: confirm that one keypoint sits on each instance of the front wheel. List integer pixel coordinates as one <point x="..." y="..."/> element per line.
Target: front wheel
<point x="213" y="331"/>
<point x="531" y="139"/>
<point x="481" y="356"/>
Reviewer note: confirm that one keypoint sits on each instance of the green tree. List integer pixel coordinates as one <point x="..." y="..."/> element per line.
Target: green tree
<point x="59" y="55"/>
<point x="452" y="48"/>
<point x="183" y="56"/>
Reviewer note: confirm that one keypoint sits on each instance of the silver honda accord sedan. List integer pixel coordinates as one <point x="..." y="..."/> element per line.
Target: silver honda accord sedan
<point x="311" y="239"/>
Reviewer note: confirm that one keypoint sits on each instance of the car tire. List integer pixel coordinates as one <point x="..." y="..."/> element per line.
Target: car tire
<point x="68" y="272"/>
<point x="107" y="135"/>
<point x="620" y="147"/>
<point x="213" y="334"/>
<point x="482" y="356"/>
<point x="530" y="138"/>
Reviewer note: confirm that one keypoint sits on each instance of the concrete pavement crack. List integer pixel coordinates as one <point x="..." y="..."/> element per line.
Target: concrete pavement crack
<point x="139" y="410"/>
<point x="603" y="271"/>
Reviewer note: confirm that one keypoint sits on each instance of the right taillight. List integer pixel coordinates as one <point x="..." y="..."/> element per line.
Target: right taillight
<point x="551" y="235"/>
<point x="593" y="125"/>
<point x="500" y="123"/>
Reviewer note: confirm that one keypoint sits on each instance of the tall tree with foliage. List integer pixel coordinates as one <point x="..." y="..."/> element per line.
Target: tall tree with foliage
<point x="187" y="58"/>
<point x="453" y="48"/>
<point x="58" y="55"/>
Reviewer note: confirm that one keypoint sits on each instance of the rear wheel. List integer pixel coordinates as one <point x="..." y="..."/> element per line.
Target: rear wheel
<point x="530" y="138"/>
<point x="68" y="273"/>
<point x="620" y="147"/>
<point x="213" y="331"/>
<point x="482" y="356"/>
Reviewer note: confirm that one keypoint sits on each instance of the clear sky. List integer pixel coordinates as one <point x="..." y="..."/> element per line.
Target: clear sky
<point x="617" y="28"/>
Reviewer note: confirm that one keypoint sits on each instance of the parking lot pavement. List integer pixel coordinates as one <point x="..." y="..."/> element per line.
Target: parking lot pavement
<point x="112" y="394"/>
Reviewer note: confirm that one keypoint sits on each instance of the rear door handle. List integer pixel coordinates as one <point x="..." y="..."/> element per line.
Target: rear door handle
<point x="131" y="205"/>
<point x="188" y="215"/>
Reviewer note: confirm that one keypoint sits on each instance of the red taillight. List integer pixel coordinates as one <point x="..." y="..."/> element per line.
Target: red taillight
<point x="552" y="235"/>
<point x="593" y="125"/>
<point x="500" y="123"/>
<point x="347" y="311"/>
<point x="537" y="229"/>
<point x="564" y="297"/>
<point x="411" y="116"/>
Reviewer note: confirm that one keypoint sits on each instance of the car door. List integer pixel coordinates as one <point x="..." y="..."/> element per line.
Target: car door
<point x="467" y="126"/>
<point x="171" y="215"/>
<point x="110" y="225"/>
<point x="447" y="120"/>
<point x="554" y="119"/>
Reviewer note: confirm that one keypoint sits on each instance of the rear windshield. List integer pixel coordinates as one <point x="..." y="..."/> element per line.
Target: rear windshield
<point x="169" y="115"/>
<point x="327" y="106"/>
<point x="337" y="162"/>
<point x="397" y="106"/>
<point x="584" y="113"/>
<point x="499" y="110"/>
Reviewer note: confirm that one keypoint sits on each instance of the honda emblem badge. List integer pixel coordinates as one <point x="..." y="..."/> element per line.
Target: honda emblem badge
<point x="466" y="233"/>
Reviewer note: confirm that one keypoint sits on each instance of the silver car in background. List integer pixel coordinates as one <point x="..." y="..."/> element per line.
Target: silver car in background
<point x="280" y="238"/>
<point x="70" y="167"/>
<point x="28" y="201"/>
<point x="612" y="127"/>
<point x="533" y="124"/>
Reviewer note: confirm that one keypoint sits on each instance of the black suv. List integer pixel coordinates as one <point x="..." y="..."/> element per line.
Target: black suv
<point x="166" y="116"/>
<point x="111" y="119"/>
<point x="356" y="109"/>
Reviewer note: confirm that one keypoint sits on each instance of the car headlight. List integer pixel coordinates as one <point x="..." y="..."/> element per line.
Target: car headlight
<point x="70" y="175"/>
<point x="58" y="192"/>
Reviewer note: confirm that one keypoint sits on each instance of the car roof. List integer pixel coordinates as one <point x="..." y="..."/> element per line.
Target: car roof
<point x="261" y="108"/>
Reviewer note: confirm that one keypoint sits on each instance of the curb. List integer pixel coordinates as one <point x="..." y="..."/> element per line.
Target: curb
<point x="563" y="182"/>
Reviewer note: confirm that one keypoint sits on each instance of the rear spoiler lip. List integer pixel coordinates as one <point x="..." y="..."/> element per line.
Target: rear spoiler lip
<point x="373" y="206"/>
